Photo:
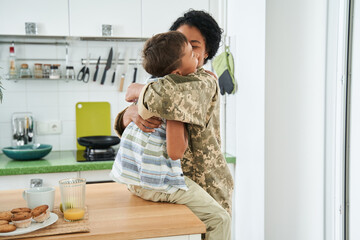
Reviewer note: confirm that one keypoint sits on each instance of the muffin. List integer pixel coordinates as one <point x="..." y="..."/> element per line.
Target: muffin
<point x="40" y="213"/>
<point x="19" y="210"/>
<point x="4" y="228"/>
<point x="22" y="219"/>
<point x="6" y="216"/>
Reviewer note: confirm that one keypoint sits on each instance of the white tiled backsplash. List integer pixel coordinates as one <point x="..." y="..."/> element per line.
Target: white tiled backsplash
<point x="51" y="99"/>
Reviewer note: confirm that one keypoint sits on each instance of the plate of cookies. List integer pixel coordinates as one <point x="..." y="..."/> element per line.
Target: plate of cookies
<point x="24" y="220"/>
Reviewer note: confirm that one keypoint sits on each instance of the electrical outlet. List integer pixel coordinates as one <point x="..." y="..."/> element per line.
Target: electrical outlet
<point x="48" y="128"/>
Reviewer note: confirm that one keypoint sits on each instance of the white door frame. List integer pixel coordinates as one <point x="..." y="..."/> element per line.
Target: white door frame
<point x="335" y="115"/>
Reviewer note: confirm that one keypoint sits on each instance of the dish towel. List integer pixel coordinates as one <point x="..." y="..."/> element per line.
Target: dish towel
<point x="223" y="65"/>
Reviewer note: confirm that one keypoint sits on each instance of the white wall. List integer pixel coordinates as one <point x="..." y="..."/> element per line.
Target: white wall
<point x="245" y="115"/>
<point x="294" y="143"/>
<point x="280" y="69"/>
<point x="55" y="99"/>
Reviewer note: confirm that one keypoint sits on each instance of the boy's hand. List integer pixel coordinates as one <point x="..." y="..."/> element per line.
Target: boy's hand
<point x="133" y="92"/>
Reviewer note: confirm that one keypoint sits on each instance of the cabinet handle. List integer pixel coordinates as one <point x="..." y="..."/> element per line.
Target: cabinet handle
<point x="36" y="182"/>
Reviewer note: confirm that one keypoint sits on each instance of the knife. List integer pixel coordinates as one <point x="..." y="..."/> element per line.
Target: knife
<point x="117" y="54"/>
<point x="107" y="67"/>
<point x="134" y="78"/>
<point x="97" y="69"/>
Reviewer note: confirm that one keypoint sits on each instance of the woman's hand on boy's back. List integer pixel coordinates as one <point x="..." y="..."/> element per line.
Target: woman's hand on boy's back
<point x="211" y="73"/>
<point x="131" y="115"/>
<point x="133" y="92"/>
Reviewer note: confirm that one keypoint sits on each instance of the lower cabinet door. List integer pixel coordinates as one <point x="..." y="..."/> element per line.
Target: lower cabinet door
<point x="96" y="176"/>
<point x="23" y="181"/>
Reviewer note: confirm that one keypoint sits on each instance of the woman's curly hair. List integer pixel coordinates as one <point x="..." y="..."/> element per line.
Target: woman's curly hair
<point x="207" y="26"/>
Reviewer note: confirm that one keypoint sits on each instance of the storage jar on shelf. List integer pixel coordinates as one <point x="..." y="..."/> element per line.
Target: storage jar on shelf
<point x="25" y="71"/>
<point x="54" y="72"/>
<point x="38" y="72"/>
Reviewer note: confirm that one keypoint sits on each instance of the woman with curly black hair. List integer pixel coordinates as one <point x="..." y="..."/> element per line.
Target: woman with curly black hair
<point x="203" y="161"/>
<point x="202" y="31"/>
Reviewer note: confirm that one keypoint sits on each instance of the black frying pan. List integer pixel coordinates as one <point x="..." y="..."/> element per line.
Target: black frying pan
<point x="100" y="142"/>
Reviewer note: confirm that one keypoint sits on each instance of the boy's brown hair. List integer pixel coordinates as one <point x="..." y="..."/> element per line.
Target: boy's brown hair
<point x="163" y="52"/>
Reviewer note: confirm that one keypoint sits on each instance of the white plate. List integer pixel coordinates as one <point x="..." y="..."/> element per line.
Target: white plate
<point x="33" y="227"/>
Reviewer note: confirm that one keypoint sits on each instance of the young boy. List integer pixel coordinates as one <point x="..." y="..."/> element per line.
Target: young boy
<point x="149" y="163"/>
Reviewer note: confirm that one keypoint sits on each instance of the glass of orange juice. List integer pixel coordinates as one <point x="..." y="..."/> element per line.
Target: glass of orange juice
<point x="73" y="198"/>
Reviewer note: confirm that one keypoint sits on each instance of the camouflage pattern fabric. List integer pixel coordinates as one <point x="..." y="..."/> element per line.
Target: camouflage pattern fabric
<point x="194" y="99"/>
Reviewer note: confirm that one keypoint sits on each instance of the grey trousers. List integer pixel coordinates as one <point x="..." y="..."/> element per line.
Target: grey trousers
<point x="214" y="216"/>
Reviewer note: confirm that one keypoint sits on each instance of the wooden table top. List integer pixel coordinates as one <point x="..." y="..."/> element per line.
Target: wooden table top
<point x="115" y="213"/>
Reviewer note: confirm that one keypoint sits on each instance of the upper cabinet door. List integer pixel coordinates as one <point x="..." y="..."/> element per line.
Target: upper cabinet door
<point x="158" y="15"/>
<point x="51" y="17"/>
<point x="88" y="16"/>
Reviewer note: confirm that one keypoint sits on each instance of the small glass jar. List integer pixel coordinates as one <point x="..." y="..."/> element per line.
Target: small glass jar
<point x="54" y="72"/>
<point x="59" y="69"/>
<point x="25" y="71"/>
<point x="70" y="73"/>
<point x="38" y="72"/>
<point x="46" y="70"/>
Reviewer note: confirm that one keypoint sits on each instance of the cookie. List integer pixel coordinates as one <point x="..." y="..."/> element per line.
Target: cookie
<point x="4" y="222"/>
<point x="5" y="216"/>
<point x="18" y="210"/>
<point x="7" y="228"/>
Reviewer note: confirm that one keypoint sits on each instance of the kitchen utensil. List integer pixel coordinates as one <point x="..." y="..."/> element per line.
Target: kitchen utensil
<point x="92" y="119"/>
<point x="72" y="192"/>
<point x="84" y="73"/>
<point x="123" y="75"/>
<point x="23" y="128"/>
<point x="108" y="65"/>
<point x="27" y="152"/>
<point x="117" y="54"/>
<point x="97" y="69"/>
<point x="122" y="80"/>
<point x="98" y="142"/>
<point x="134" y="77"/>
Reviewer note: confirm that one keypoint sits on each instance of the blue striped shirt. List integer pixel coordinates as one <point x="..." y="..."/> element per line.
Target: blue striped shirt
<point x="142" y="160"/>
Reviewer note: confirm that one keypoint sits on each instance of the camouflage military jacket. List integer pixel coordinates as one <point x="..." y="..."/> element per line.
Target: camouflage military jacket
<point x="194" y="99"/>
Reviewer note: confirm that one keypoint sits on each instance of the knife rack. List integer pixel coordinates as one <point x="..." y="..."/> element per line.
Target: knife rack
<point x="121" y="61"/>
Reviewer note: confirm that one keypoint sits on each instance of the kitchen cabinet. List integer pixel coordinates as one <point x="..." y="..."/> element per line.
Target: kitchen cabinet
<point x="88" y="16"/>
<point x="51" y="179"/>
<point x="23" y="181"/>
<point x="158" y="15"/>
<point x="51" y="17"/>
<point x="96" y="175"/>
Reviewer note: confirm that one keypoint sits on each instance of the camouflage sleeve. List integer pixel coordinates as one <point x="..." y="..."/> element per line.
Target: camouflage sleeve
<point x="185" y="101"/>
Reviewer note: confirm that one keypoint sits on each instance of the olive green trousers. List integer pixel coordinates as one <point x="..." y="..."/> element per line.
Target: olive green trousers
<point x="214" y="216"/>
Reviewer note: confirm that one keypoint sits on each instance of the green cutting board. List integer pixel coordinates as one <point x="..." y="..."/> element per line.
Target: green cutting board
<point x="92" y="119"/>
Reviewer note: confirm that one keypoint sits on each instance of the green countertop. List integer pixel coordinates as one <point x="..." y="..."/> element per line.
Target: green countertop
<point x="58" y="161"/>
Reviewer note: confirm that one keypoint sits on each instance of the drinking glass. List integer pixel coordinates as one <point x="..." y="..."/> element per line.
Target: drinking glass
<point x="72" y="192"/>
